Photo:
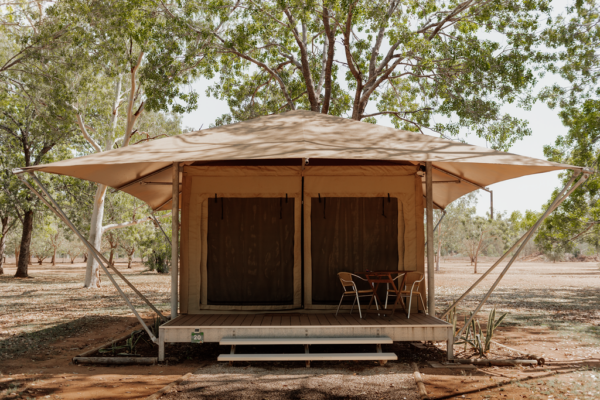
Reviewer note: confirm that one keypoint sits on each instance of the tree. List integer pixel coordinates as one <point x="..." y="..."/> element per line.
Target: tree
<point x="8" y="220"/>
<point x="517" y="225"/>
<point x="74" y="248"/>
<point x="130" y="238"/>
<point x="410" y="61"/>
<point x="108" y="49"/>
<point x="450" y="235"/>
<point x="155" y="247"/>
<point x="32" y="123"/>
<point x="41" y="242"/>
<point x="574" y="37"/>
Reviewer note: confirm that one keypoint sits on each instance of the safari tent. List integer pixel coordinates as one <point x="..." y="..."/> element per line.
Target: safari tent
<point x="274" y="207"/>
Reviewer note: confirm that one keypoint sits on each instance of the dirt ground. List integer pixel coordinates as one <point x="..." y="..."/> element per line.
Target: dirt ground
<point x="553" y="313"/>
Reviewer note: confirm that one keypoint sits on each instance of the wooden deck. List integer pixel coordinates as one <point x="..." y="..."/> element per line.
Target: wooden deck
<point x="214" y="327"/>
<point x="217" y="326"/>
<point x="301" y="320"/>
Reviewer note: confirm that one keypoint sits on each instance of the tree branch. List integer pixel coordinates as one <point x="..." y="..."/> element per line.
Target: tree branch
<point x="86" y="134"/>
<point x="130" y="223"/>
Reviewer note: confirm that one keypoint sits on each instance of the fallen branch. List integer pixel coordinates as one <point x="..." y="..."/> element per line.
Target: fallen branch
<point x="419" y="380"/>
<point x="500" y="363"/>
<point x="116" y="360"/>
<point x="171" y="385"/>
<point x="540" y="360"/>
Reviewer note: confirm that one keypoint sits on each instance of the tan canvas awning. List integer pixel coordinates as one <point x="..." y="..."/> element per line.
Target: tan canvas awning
<point x="297" y="135"/>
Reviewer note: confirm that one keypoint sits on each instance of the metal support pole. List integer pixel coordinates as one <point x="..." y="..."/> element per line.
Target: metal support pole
<point x="175" y="242"/>
<point x="492" y="205"/>
<point x="430" y="266"/>
<point x="559" y="199"/>
<point x="514" y="246"/>
<point x="93" y="252"/>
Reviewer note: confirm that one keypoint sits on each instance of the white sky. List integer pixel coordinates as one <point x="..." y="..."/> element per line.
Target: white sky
<point x="529" y="192"/>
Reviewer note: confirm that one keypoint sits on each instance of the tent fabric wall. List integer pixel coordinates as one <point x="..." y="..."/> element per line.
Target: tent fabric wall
<point x="400" y="182"/>
<point x="201" y="184"/>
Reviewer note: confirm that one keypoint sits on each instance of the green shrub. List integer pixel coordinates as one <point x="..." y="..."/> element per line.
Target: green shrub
<point x="159" y="260"/>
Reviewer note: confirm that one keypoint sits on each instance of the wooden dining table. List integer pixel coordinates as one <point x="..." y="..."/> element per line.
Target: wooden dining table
<point x="376" y="278"/>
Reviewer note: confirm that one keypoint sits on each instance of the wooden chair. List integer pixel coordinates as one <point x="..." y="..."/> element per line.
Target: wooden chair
<point x="412" y="279"/>
<point x="350" y="289"/>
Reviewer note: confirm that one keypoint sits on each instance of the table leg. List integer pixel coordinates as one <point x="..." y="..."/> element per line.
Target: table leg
<point x="376" y="294"/>
<point x="398" y="298"/>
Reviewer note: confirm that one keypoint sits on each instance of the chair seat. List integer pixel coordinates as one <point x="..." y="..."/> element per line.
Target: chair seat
<point x="402" y="292"/>
<point x="367" y="291"/>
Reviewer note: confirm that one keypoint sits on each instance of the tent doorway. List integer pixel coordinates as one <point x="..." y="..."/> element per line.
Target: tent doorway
<point x="250" y="251"/>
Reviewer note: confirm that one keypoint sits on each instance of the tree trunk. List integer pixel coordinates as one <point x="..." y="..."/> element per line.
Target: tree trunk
<point x="5" y="228"/>
<point x="112" y="254"/>
<point x="24" y="251"/>
<point x="475" y="265"/>
<point x="439" y="252"/>
<point x="92" y="273"/>
<point x="16" y="255"/>
<point x="54" y="258"/>
<point x="85" y="257"/>
<point x="129" y="261"/>
<point x="2" y="258"/>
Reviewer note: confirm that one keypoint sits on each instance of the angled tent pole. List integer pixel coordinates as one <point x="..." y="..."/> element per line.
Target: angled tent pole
<point x="439" y="222"/>
<point x="569" y="188"/>
<point x="54" y="207"/>
<point x="160" y="227"/>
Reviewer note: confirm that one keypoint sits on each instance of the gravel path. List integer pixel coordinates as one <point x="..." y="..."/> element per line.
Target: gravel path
<point x="220" y="381"/>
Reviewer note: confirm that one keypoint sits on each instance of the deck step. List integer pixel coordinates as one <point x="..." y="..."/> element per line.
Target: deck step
<point x="306" y="340"/>
<point x="310" y="357"/>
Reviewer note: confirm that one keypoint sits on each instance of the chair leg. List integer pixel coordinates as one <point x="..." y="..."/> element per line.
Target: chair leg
<point x="387" y="294"/>
<point x="409" y="306"/>
<point x="423" y="303"/>
<point x="353" y="303"/>
<point x="376" y="305"/>
<point x="358" y="301"/>
<point x="339" y="305"/>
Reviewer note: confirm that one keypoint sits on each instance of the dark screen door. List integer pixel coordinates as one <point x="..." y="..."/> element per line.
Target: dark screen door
<point x="250" y="251"/>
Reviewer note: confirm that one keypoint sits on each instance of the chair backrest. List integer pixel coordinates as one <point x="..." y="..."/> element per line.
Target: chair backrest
<point x="412" y="277"/>
<point x="345" y="279"/>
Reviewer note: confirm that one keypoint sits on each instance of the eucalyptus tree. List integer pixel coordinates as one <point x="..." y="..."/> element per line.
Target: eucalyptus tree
<point x="428" y="65"/>
<point x="8" y="214"/>
<point x="34" y="126"/>
<point x="116" y="70"/>
<point x="574" y="37"/>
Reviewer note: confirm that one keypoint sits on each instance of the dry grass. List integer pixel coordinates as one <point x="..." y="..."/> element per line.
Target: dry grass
<point x="393" y="381"/>
<point x="42" y="318"/>
<point x="54" y="303"/>
<point x="562" y="296"/>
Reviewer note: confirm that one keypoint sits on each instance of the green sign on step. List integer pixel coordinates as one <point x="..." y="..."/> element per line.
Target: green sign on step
<point x="197" y="337"/>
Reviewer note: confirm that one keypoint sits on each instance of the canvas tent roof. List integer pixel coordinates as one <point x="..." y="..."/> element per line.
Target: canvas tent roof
<point x="296" y="135"/>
